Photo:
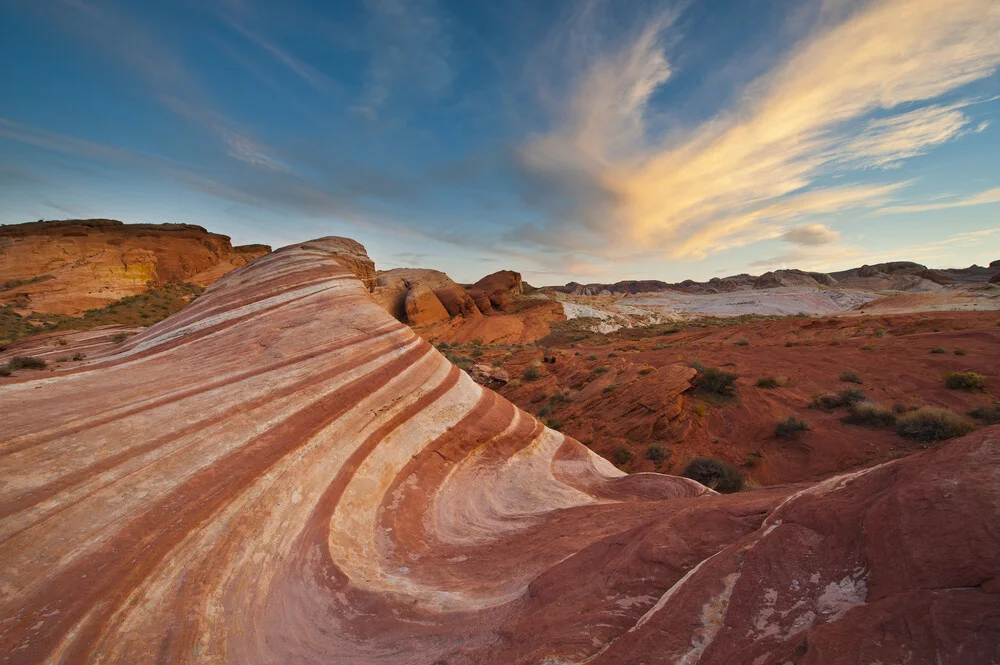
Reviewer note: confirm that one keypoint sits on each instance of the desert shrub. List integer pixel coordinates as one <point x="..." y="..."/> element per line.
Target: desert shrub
<point x="647" y="370"/>
<point x="674" y="331"/>
<point x="931" y="423"/>
<point x="25" y="362"/>
<point x="714" y="474"/>
<point x="4" y="371"/>
<point x="771" y="381"/>
<point x="742" y="341"/>
<point x="553" y="423"/>
<point x="531" y="374"/>
<point x="622" y="455"/>
<point x="78" y="356"/>
<point x="62" y="359"/>
<point x="657" y="453"/>
<point x="850" y="377"/>
<point x="600" y="370"/>
<point x="867" y="347"/>
<point x="879" y="332"/>
<point x="964" y="381"/>
<point x="60" y="342"/>
<point x="544" y="411"/>
<point x="591" y="357"/>
<point x="478" y="341"/>
<point x="790" y="427"/>
<point x="611" y="388"/>
<point x="612" y="355"/>
<point x="119" y="337"/>
<point x="870" y="414"/>
<point x="937" y="349"/>
<point x="989" y="414"/>
<point x="790" y="343"/>
<point x="838" y="399"/>
<point x="960" y="352"/>
<point x="476" y="352"/>
<point x="716" y="381"/>
<point x="443" y="345"/>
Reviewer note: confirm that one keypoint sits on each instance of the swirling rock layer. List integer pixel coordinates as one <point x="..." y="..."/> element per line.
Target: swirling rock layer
<point x="283" y="473"/>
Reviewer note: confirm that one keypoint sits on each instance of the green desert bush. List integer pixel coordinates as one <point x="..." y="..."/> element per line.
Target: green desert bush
<point x="964" y="381"/>
<point x="790" y="427"/>
<point x="742" y="341"/>
<point x="715" y="381"/>
<point x="937" y="349"/>
<point x="25" y="362"/>
<point x="657" y="453"/>
<point x="850" y="377"/>
<point x="838" y="399"/>
<point x="119" y="337"/>
<point x="988" y="413"/>
<point x="531" y="374"/>
<point x="553" y="423"/>
<point x="714" y="474"/>
<point x="610" y="388"/>
<point x="622" y="455"/>
<point x="931" y="423"/>
<point x="870" y="414"/>
<point x="960" y="352"/>
<point x="771" y="381"/>
<point x="78" y="356"/>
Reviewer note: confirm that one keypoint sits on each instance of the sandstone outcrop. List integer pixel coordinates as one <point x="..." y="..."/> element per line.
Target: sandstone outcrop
<point x="283" y="473"/>
<point x="486" y="375"/>
<point x="394" y="287"/>
<point x="494" y="290"/>
<point x="65" y="267"/>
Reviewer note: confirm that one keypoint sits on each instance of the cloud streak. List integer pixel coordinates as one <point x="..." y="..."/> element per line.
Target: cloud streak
<point x="754" y="171"/>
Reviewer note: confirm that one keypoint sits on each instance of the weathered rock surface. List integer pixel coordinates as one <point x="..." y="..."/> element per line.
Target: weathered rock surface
<point x="283" y="473"/>
<point x="487" y="375"/>
<point x="394" y="287"/>
<point x="65" y="267"/>
<point x="495" y="290"/>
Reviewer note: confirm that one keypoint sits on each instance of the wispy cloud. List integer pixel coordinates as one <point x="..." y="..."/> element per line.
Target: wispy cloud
<point x="127" y="41"/>
<point x="752" y="172"/>
<point x="989" y="196"/>
<point x="885" y="143"/>
<point x="409" y="48"/>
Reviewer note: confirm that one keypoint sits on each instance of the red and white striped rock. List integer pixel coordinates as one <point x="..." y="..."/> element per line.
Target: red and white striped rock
<point x="283" y="473"/>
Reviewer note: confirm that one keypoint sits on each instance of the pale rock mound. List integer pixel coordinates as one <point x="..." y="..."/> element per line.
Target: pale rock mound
<point x="284" y="473"/>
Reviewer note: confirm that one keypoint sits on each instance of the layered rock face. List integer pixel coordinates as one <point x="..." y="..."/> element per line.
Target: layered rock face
<point x="284" y="473"/>
<point x="66" y="267"/>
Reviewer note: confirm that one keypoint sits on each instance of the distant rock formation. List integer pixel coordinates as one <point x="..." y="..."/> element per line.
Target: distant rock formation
<point x="495" y="290"/>
<point x="283" y="473"/>
<point x="66" y="267"/>
<point x="435" y="296"/>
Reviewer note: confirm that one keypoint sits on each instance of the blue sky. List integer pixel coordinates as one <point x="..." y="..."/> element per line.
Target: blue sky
<point x="577" y="140"/>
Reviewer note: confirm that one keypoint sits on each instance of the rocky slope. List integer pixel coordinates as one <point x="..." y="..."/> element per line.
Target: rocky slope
<point x="283" y="473"/>
<point x="66" y="267"/>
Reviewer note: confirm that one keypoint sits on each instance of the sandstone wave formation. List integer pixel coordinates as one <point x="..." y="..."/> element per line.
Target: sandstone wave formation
<point x="284" y="473"/>
<point x="66" y="267"/>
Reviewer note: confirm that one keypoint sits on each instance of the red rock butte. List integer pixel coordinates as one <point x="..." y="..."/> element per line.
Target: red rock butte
<point x="284" y="473"/>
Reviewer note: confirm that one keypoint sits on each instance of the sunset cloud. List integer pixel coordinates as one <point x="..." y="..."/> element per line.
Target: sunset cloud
<point x="752" y="172"/>
<point x="811" y="234"/>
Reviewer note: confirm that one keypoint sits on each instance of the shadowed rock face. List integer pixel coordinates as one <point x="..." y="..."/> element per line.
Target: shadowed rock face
<point x="283" y="473"/>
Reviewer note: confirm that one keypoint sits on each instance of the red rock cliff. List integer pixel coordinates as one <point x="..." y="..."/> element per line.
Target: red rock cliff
<point x="65" y="267"/>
